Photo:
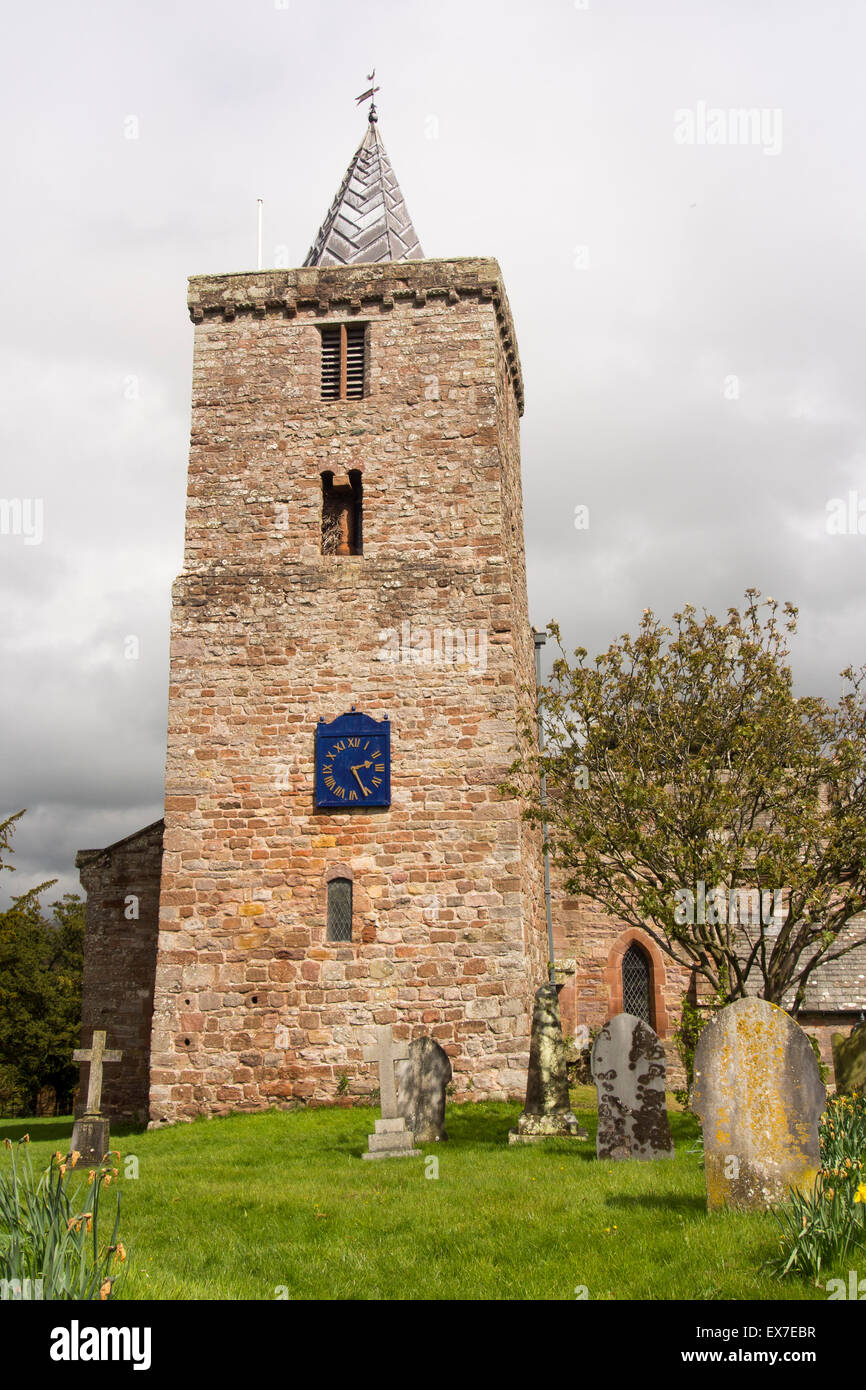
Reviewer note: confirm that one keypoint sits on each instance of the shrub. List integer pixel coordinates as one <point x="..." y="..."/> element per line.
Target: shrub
<point x="686" y="1035"/>
<point x="823" y="1069"/>
<point x="50" y="1230"/>
<point x="824" y="1226"/>
<point x="579" y="1059"/>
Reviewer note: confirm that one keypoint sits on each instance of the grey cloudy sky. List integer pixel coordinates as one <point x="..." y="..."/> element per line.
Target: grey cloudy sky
<point x="690" y="316"/>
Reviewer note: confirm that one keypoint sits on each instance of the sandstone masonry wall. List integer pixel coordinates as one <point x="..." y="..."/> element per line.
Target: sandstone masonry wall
<point x="253" y="1006"/>
<point x="120" y="963"/>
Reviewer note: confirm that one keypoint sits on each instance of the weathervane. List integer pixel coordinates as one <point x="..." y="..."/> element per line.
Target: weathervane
<point x="371" y="77"/>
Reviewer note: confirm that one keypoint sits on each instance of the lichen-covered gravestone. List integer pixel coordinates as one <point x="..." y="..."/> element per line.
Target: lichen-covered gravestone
<point x="629" y="1070"/>
<point x="547" y="1111"/>
<point x="849" y="1060"/>
<point x="759" y="1097"/>
<point x="421" y="1082"/>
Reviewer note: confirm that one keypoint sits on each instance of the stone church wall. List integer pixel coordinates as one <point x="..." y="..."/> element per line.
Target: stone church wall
<point x="120" y="963"/>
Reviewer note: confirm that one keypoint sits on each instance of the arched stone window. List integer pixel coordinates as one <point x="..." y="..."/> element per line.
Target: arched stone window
<point x="637" y="984"/>
<point x="635" y="978"/>
<point x="339" y="909"/>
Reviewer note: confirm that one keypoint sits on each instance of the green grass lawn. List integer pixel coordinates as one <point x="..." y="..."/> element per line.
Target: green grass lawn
<point x="241" y="1207"/>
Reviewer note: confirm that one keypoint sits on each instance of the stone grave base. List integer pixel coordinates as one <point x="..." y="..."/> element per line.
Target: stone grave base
<point x="562" y="1124"/>
<point x="90" y="1139"/>
<point x="392" y="1140"/>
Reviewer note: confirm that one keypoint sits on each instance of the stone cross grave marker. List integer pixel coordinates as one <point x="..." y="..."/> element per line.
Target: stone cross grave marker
<point x="759" y="1097"/>
<point x="628" y="1067"/>
<point x="97" y="1054"/>
<point x="90" y="1131"/>
<point x="392" y="1139"/>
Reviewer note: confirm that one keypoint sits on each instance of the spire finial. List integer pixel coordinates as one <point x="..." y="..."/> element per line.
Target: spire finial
<point x="368" y="220"/>
<point x="372" y="117"/>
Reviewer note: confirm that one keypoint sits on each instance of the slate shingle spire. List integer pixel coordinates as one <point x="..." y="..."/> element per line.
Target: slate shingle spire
<point x="368" y="220"/>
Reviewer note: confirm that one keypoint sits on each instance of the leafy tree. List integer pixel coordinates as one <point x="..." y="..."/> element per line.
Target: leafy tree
<point x="680" y="758"/>
<point x="41" y="964"/>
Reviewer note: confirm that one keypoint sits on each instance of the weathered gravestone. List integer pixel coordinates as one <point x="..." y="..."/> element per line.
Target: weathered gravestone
<point x="849" y="1060"/>
<point x="90" y="1131"/>
<point x="547" y="1110"/>
<point x="421" y="1082"/>
<point x="392" y="1139"/>
<point x="759" y="1097"/>
<point x="629" y="1070"/>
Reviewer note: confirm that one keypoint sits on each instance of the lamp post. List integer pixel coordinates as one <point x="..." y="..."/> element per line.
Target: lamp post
<point x="539" y="637"/>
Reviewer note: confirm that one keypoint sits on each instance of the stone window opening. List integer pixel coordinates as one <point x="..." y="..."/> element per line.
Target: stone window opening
<point x="343" y="361"/>
<point x="342" y="513"/>
<point x="339" y="909"/>
<point x="637" y="984"/>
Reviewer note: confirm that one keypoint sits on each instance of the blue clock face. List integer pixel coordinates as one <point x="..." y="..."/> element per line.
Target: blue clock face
<point x="353" y="762"/>
<point x="353" y="769"/>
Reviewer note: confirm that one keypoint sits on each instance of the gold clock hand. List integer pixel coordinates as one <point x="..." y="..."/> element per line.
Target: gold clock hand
<point x="358" y="780"/>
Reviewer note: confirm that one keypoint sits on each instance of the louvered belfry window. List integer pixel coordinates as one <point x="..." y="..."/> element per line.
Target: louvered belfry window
<point x="343" y="346"/>
<point x="636" y="984"/>
<point x="340" y="909"/>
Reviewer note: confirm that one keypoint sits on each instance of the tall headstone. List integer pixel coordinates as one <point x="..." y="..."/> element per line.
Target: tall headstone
<point x="629" y="1070"/>
<point x="421" y="1082"/>
<point x="392" y="1139"/>
<point x="547" y="1112"/>
<point x="759" y="1096"/>
<point x="849" y="1060"/>
<point x="90" y="1131"/>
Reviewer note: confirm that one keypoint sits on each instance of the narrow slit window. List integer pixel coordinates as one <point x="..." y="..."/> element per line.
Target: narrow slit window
<point x="342" y="513"/>
<point x="340" y="909"/>
<point x="343" y="361"/>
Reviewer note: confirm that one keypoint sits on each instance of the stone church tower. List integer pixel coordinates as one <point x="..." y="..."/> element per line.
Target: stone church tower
<point x="351" y="653"/>
<point x="354" y="542"/>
